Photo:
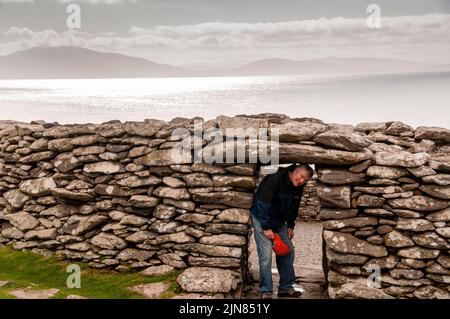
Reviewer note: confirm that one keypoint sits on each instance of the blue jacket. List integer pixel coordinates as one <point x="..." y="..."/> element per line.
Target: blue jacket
<point x="277" y="201"/>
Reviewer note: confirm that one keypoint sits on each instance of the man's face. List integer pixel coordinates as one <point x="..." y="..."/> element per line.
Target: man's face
<point x="299" y="177"/>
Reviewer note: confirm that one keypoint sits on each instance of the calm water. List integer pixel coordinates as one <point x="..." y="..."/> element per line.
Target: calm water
<point x="415" y="98"/>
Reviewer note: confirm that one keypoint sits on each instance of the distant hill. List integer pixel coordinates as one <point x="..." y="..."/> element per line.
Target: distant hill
<point x="76" y="62"/>
<point x="329" y="65"/>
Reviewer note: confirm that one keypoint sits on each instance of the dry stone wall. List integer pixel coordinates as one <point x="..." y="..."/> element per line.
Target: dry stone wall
<point x="113" y="195"/>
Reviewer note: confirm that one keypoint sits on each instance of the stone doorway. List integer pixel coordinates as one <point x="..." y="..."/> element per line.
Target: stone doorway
<point x="307" y="242"/>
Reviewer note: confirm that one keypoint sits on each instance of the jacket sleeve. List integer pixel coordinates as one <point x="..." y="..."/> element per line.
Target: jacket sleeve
<point x="264" y="202"/>
<point x="294" y="208"/>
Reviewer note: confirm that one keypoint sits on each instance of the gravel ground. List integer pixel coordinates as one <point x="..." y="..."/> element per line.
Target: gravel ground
<point x="308" y="262"/>
<point x="307" y="242"/>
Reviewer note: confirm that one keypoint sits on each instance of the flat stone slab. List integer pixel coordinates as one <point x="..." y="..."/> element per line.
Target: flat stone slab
<point x="151" y="291"/>
<point x="33" y="294"/>
<point x="3" y="283"/>
<point x="75" y="297"/>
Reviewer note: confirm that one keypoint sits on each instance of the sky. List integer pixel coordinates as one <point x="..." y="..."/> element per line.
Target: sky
<point x="224" y="33"/>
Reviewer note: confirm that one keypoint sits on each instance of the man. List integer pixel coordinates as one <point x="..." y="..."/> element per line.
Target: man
<point x="274" y="210"/>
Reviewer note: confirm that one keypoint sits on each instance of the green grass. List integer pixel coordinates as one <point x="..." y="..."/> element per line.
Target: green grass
<point x="24" y="269"/>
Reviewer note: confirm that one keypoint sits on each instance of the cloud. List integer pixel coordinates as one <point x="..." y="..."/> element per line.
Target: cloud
<point x="408" y="37"/>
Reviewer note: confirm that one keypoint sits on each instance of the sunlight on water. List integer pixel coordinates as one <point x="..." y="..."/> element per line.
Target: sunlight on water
<point x="416" y="99"/>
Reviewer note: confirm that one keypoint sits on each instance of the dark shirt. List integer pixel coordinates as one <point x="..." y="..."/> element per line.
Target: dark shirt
<point x="277" y="201"/>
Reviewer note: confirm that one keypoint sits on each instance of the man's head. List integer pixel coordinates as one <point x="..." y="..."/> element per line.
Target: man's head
<point x="301" y="174"/>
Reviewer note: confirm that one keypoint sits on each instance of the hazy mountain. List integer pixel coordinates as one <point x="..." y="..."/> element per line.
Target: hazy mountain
<point x="76" y="62"/>
<point x="328" y="65"/>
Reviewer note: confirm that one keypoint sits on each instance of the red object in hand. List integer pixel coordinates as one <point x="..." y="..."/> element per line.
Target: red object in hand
<point x="279" y="246"/>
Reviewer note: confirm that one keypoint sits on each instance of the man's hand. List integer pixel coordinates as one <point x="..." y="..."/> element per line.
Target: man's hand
<point x="290" y="233"/>
<point x="268" y="233"/>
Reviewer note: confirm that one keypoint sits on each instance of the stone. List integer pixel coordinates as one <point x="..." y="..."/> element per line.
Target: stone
<point x="234" y="215"/>
<point x="44" y="234"/>
<point x="217" y="262"/>
<point x="207" y="168"/>
<point x="439" y="179"/>
<point x="401" y="158"/>
<point x="108" y="241"/>
<point x="223" y="240"/>
<point x="173" y="193"/>
<point x="345" y="259"/>
<point x="81" y="225"/>
<point x="348" y="244"/>
<point x="88" y="151"/>
<point x="173" y="182"/>
<point x="132" y="220"/>
<point x="397" y="239"/>
<point x="112" y="190"/>
<point x="231" y="198"/>
<point x="300" y="153"/>
<point x="16" y="198"/>
<point x="195" y="218"/>
<point x="431" y="240"/>
<point x="360" y="167"/>
<point x="336" y="213"/>
<point x="161" y="270"/>
<point x="60" y="210"/>
<point x="38" y="187"/>
<point x="432" y="133"/>
<point x="294" y="131"/>
<point x="406" y="213"/>
<point x="23" y="221"/>
<point x="348" y="140"/>
<point x="421" y="171"/>
<point x="152" y="290"/>
<point x="242" y="169"/>
<point x="164" y="211"/>
<point x="378" y="212"/>
<point x="438" y="191"/>
<point x="78" y="196"/>
<point x="356" y="222"/>
<point x="175" y="156"/>
<point x="416" y="225"/>
<point x="406" y="274"/>
<point x="162" y="226"/>
<point x="37" y="157"/>
<point x="198" y="180"/>
<point x="419" y="253"/>
<point x="367" y="127"/>
<point x="206" y="279"/>
<point x="339" y="176"/>
<point x="211" y="250"/>
<point x="178" y="238"/>
<point x="66" y="162"/>
<point x="334" y="196"/>
<point x="369" y="201"/>
<point x="419" y="203"/>
<point x="397" y="128"/>
<point x="234" y="181"/>
<point x="60" y="145"/>
<point x="387" y="262"/>
<point x="430" y="292"/>
<point x="134" y="254"/>
<point x="105" y="167"/>
<point x="445" y="232"/>
<point x="140" y="236"/>
<point x="173" y="260"/>
<point x="33" y="294"/>
<point x="142" y="201"/>
<point x="135" y="181"/>
<point x="386" y="172"/>
<point x="357" y="291"/>
<point x="404" y="282"/>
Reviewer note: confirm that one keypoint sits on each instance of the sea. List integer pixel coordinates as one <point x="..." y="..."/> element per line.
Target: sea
<point x="414" y="98"/>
